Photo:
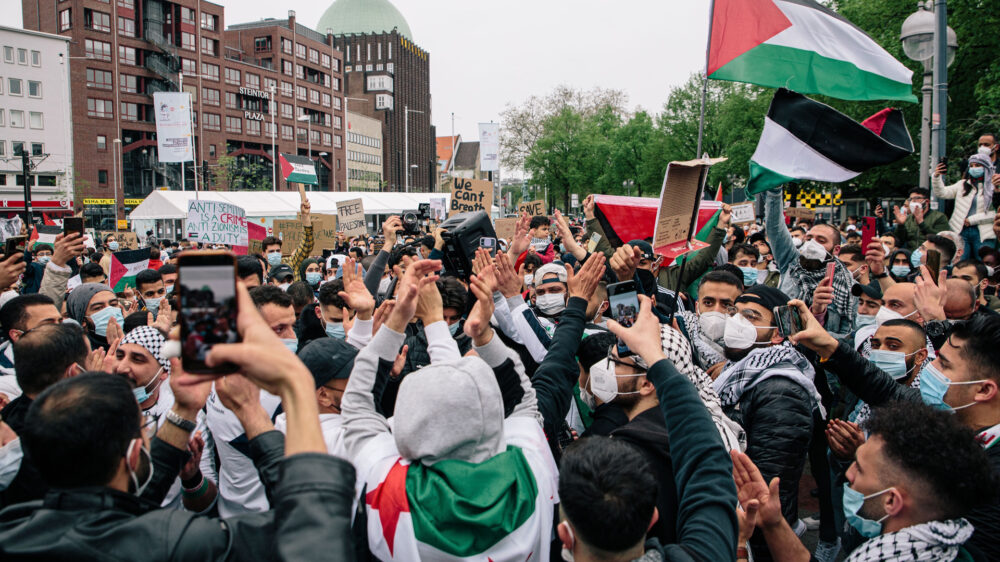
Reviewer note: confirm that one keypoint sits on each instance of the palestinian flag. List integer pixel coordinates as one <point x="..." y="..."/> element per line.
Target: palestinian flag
<point x="802" y="46"/>
<point x="298" y="169"/>
<point x="124" y="267"/>
<point x="45" y="234"/>
<point x="807" y="140"/>
<point x="630" y="218"/>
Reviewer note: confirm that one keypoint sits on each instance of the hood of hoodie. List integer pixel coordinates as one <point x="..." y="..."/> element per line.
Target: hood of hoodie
<point x="450" y="410"/>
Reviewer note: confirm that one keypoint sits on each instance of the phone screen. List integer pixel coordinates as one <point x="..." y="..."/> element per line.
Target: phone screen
<point x="788" y="321"/>
<point x="624" y="302"/>
<point x="73" y="224"/>
<point x="208" y="313"/>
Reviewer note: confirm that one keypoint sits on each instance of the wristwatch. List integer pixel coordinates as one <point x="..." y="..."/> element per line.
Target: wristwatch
<point x="882" y="275"/>
<point x="186" y="425"/>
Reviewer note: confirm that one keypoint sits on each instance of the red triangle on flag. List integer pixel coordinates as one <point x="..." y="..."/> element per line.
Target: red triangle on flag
<point x="718" y="193"/>
<point x="390" y="499"/>
<point x="741" y="25"/>
<point x="117" y="271"/>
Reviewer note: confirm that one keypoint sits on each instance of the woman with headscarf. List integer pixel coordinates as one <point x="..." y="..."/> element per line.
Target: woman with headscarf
<point x="93" y="306"/>
<point x="973" y="195"/>
<point x="899" y="266"/>
<point x="311" y="271"/>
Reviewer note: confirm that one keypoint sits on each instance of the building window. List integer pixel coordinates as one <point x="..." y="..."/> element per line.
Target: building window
<point x="189" y="66"/>
<point x="210" y="71"/>
<point x="253" y="127"/>
<point x="231" y="101"/>
<point x="337" y="122"/>
<point x="100" y="108"/>
<point x="8" y="54"/>
<point x="286" y="89"/>
<point x="300" y="50"/>
<point x="268" y="129"/>
<point x="337" y="103"/>
<point x="300" y="71"/>
<point x="286" y="46"/>
<point x="34" y="89"/>
<point x="102" y="177"/>
<point x="232" y="76"/>
<point x="15" y="87"/>
<point x="209" y="46"/>
<point x="17" y="148"/>
<point x="209" y="21"/>
<point x="126" y="27"/>
<point x="102" y="142"/>
<point x="127" y="4"/>
<point x="187" y="39"/>
<point x="98" y="21"/>
<point x="234" y="124"/>
<point x="130" y="111"/>
<point x="270" y="83"/>
<point x="36" y="120"/>
<point x="129" y="84"/>
<point x="212" y="121"/>
<point x="17" y="118"/>
<point x="187" y="15"/>
<point x="338" y="141"/>
<point x="300" y="92"/>
<point x="313" y="96"/>
<point x="99" y="50"/>
<point x="99" y="78"/>
<point x="383" y="101"/>
<point x="37" y="149"/>
<point x="126" y="55"/>
<point x="286" y="111"/>
<point x="210" y="96"/>
<point x="325" y="60"/>
<point x="253" y="81"/>
<point x="327" y="139"/>
<point x="313" y="56"/>
<point x="336" y="84"/>
<point x="326" y="100"/>
<point x="286" y="67"/>
<point x="211" y="150"/>
<point x="65" y="19"/>
<point x="287" y="132"/>
<point x="262" y="44"/>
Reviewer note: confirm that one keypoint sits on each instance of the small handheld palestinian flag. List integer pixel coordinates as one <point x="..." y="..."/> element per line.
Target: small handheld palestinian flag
<point x="297" y="169"/>
<point x="125" y="266"/>
<point x="44" y="234"/>
<point x="807" y="140"/>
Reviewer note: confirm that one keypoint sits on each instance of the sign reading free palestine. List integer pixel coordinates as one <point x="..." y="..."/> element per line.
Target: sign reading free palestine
<point x="298" y="169"/>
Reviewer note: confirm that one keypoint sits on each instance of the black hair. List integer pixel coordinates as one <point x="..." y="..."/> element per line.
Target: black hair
<point x="980" y="335"/>
<point x="14" y="313"/>
<point x="593" y="348"/>
<point x="738" y="235"/>
<point x="154" y="253"/>
<point x="77" y="431"/>
<point x="301" y="293"/>
<point x="926" y="194"/>
<point x="358" y="252"/>
<point x="895" y="239"/>
<point x="397" y="254"/>
<point x="167" y="269"/>
<point x="270" y="294"/>
<point x="270" y="241"/>
<point x="724" y="274"/>
<point x="427" y="242"/>
<point x="608" y="492"/>
<point x="745" y="249"/>
<point x="367" y="261"/>
<point x="943" y="456"/>
<point x="854" y="251"/>
<point x="92" y="270"/>
<point x="853" y="234"/>
<point x="981" y="271"/>
<point x="453" y="293"/>
<point x="134" y="320"/>
<point x="799" y="228"/>
<point x="945" y="246"/>
<point x="906" y="323"/>
<point x="328" y="294"/>
<point x="533" y="260"/>
<point x="540" y="220"/>
<point x="247" y="266"/>
<point x="146" y="277"/>
<point x="44" y="354"/>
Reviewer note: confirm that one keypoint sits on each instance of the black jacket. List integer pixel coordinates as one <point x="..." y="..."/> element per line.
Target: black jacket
<point x="314" y="492"/>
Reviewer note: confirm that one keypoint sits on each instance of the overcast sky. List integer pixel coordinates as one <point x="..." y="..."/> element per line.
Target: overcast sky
<point x="485" y="55"/>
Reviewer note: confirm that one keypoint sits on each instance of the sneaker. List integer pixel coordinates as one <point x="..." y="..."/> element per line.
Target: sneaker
<point x="799" y="528"/>
<point x="827" y="551"/>
<point x="812" y="523"/>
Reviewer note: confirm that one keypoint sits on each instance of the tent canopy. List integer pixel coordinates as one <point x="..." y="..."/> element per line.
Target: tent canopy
<point x="174" y="204"/>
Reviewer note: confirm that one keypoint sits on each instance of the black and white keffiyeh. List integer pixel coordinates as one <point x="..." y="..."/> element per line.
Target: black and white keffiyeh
<point x="709" y="352"/>
<point x="802" y="284"/>
<point x="934" y="540"/>
<point x="152" y="341"/>
<point x="761" y="364"/>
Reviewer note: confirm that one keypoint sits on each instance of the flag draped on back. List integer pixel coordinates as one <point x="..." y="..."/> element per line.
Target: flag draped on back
<point x="807" y="140"/>
<point x="124" y="267"/>
<point x="802" y="46"/>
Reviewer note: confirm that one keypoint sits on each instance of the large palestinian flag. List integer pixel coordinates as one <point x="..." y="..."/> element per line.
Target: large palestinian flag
<point x="802" y="46"/>
<point x="634" y="218"/>
<point x="807" y="140"/>
<point x="125" y="266"/>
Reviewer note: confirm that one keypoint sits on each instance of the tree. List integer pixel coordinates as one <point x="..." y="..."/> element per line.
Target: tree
<point x="242" y="174"/>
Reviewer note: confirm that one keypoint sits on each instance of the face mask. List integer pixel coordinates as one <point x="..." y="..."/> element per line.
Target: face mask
<point x="284" y="286"/>
<point x="797" y="242"/>
<point x="101" y="317"/>
<point x="540" y="244"/>
<point x="604" y="381"/>
<point x="934" y="385"/>
<point x="291" y="343"/>
<point x="274" y="258"/>
<point x="152" y="305"/>
<point x="313" y="278"/>
<point x="143" y="393"/>
<point x="892" y="362"/>
<point x="587" y="397"/>
<point x="551" y="304"/>
<point x="44" y="260"/>
<point x="113" y="246"/>
<point x="454" y="328"/>
<point x="740" y="333"/>
<point x="900" y="270"/>
<point x="985" y="151"/>
<point x="977" y="172"/>
<point x="885" y="314"/>
<point x="169" y="289"/>
<point x="915" y="206"/>
<point x="335" y="330"/>
<point x="812" y="250"/>
<point x="599" y="317"/>
<point x="853" y="500"/>
<point x="749" y="276"/>
<point x="915" y="258"/>
<point x="139" y="488"/>
<point x="383" y="285"/>
<point x="567" y="553"/>
<point x="528" y="279"/>
<point x="863" y="320"/>
<point x="713" y="325"/>
<point x="885" y="249"/>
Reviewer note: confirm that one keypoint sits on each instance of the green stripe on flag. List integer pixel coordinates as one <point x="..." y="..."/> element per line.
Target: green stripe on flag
<point x="463" y="509"/>
<point x="124" y="283"/>
<point x="807" y="72"/>
<point x="702" y="235"/>
<point x="763" y="179"/>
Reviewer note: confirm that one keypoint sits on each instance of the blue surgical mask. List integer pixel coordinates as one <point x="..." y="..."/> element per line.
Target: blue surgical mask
<point x="977" y="172"/>
<point x="900" y="270"/>
<point x="454" y="328"/>
<point x="44" y="260"/>
<point x="934" y="385"/>
<point x="143" y="393"/>
<point x="113" y="246"/>
<point x="915" y="258"/>
<point x="169" y="289"/>
<point x="152" y="305"/>
<point x="274" y="258"/>
<point x="749" y="276"/>
<point x="101" y="317"/>
<point x="291" y="343"/>
<point x="336" y="330"/>
<point x="853" y="500"/>
<point x="313" y="278"/>
<point x="892" y="362"/>
<point x="863" y="320"/>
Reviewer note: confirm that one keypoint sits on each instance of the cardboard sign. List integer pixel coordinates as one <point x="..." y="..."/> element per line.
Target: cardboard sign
<point x="800" y="213"/>
<point x="324" y="231"/>
<point x="471" y="195"/>
<point x="677" y="215"/>
<point x="533" y="208"/>
<point x="126" y="240"/>
<point x="216" y="222"/>
<point x="256" y="234"/>
<point x="743" y="213"/>
<point x="351" y="215"/>
<point x="505" y="228"/>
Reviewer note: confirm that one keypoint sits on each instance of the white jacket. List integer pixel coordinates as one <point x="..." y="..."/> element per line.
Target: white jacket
<point x="983" y="218"/>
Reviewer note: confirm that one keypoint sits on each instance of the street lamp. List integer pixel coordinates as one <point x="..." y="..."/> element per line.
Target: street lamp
<point x="308" y="119"/>
<point x="627" y="185"/>
<point x="918" y="37"/>
<point x="406" y="145"/>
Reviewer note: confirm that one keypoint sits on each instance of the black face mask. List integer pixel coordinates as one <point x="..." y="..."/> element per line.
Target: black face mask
<point x="647" y="280"/>
<point x="990" y="290"/>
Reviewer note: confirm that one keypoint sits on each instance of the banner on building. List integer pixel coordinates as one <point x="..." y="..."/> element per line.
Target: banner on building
<point x="173" y="127"/>
<point x="298" y="169"/>
<point x="489" y="147"/>
<point x="217" y="222"/>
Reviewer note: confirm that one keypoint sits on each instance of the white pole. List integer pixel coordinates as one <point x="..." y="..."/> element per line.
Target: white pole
<point x="180" y="88"/>
<point x="406" y="146"/>
<point x="272" y="105"/>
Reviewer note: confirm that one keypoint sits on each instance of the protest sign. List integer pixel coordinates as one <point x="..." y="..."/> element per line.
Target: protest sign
<point x="126" y="240"/>
<point x="216" y="222"/>
<point x="533" y="208"/>
<point x="743" y="213"/>
<point x="800" y="213"/>
<point x="471" y="195"/>
<point x="351" y="215"/>
<point x="256" y="234"/>
<point x="438" y="208"/>
<point x="678" y="211"/>
<point x="505" y="228"/>
<point x="10" y="227"/>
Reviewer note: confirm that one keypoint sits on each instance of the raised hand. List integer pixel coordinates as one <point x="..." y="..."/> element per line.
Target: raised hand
<point x="930" y="294"/>
<point x="355" y="294"/>
<point x="389" y="228"/>
<point x="624" y="262"/>
<point x="844" y="438"/>
<point x="875" y="257"/>
<point x="813" y="335"/>
<point x="67" y="247"/>
<point x="419" y="274"/>
<point x="751" y="487"/>
<point x="898" y="214"/>
<point x="643" y="337"/>
<point x="588" y="207"/>
<point x="11" y="269"/>
<point x="507" y="279"/>
<point x="477" y="325"/>
<point x="584" y="283"/>
<point x="522" y="236"/>
<point x="399" y="363"/>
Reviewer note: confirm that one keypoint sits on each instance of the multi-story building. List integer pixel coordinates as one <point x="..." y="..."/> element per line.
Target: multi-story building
<point x="389" y="76"/>
<point x="364" y="153"/>
<point x="127" y="50"/>
<point x="35" y="114"/>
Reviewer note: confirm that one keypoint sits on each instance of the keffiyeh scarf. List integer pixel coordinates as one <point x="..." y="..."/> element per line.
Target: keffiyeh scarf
<point x="934" y="540"/>
<point x="152" y="340"/>
<point x="761" y="364"/>
<point x="802" y="284"/>
<point x="709" y="352"/>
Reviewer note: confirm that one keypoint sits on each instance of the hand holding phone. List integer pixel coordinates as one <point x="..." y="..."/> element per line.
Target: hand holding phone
<point x="934" y="264"/>
<point x="207" y="281"/>
<point x="788" y="320"/>
<point x="73" y="224"/>
<point x="831" y="269"/>
<point x="624" y="302"/>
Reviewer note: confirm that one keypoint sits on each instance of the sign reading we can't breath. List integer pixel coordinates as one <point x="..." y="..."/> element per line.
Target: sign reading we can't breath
<point x="470" y="195"/>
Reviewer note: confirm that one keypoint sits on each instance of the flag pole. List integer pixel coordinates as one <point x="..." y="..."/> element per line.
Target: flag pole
<point x="704" y="80"/>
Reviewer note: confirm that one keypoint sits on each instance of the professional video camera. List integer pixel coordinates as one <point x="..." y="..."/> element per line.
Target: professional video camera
<point x="464" y="234"/>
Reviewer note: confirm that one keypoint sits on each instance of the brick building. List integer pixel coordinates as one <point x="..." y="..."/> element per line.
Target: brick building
<point x="387" y="77"/>
<point x="124" y="51"/>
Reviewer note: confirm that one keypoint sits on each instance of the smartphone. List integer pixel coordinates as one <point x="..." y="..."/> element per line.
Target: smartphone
<point x="867" y="231"/>
<point x="15" y="244"/>
<point x="788" y="320"/>
<point x="207" y="281"/>
<point x="73" y="224"/>
<point x="831" y="267"/>
<point x="624" y="301"/>
<point x="934" y="264"/>
<point x="488" y="243"/>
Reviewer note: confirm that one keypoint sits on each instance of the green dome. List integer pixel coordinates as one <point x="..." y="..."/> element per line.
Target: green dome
<point x="363" y="16"/>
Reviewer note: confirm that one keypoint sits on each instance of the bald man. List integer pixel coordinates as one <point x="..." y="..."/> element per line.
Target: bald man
<point x="960" y="300"/>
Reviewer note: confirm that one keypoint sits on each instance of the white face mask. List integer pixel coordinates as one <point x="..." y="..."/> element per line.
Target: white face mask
<point x="885" y="314"/>
<point x="985" y="151"/>
<point x="812" y="250"/>
<point x="551" y="303"/>
<point x="797" y="242"/>
<point x="713" y="325"/>
<point x="604" y="381"/>
<point x="139" y="488"/>
<point x="284" y="286"/>
<point x="740" y="333"/>
<point x="587" y="397"/>
<point x="383" y="285"/>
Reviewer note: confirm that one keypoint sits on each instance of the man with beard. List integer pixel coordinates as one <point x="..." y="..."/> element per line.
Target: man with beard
<point x="767" y="388"/>
<point x="717" y="293"/>
<point x="536" y="325"/>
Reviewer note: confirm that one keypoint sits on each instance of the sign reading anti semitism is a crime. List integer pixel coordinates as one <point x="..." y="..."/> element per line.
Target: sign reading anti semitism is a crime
<point x="217" y="222"/>
<point x="470" y="196"/>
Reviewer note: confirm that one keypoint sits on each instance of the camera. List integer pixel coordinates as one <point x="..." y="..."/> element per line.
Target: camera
<point x="411" y="223"/>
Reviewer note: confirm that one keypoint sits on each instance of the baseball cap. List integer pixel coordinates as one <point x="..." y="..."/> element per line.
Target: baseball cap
<point x="280" y="271"/>
<point x="645" y="248"/>
<point x="328" y="359"/>
<point x="554" y="268"/>
<point x="871" y="292"/>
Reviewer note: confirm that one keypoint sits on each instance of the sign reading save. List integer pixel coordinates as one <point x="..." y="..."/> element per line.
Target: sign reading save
<point x="298" y="169"/>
